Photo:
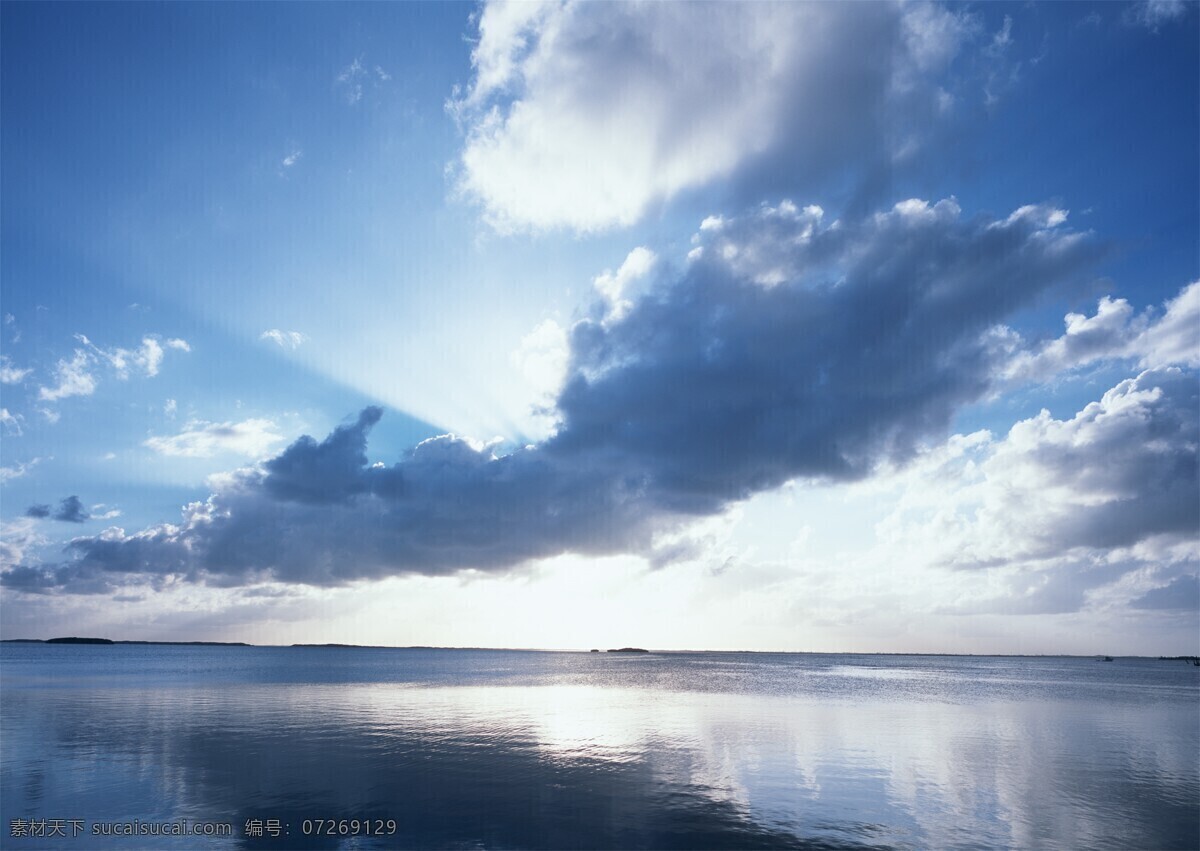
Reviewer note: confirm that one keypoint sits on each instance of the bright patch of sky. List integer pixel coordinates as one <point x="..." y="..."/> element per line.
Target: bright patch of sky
<point x="774" y="317"/>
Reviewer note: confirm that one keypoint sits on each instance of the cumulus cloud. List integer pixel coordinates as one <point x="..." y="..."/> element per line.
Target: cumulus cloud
<point x="1121" y="470"/>
<point x="616" y="287"/>
<point x="77" y="378"/>
<point x="584" y="115"/>
<point x="1059" y="508"/>
<point x="252" y="438"/>
<point x="38" y="511"/>
<point x="787" y="348"/>
<point x="74" y="379"/>
<point x="283" y="339"/>
<point x="1152" y="338"/>
<point x="10" y="374"/>
<point x="796" y="349"/>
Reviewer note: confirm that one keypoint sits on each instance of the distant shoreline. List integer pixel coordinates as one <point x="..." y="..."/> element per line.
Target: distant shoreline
<point x="105" y="641"/>
<point x="78" y="640"/>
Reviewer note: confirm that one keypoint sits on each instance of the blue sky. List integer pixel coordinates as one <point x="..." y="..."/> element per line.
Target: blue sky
<point x="558" y="325"/>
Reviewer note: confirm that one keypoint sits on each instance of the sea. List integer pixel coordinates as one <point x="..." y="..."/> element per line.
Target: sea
<point x="154" y="746"/>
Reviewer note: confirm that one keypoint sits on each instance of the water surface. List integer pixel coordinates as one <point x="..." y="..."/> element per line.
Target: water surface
<point x="516" y="749"/>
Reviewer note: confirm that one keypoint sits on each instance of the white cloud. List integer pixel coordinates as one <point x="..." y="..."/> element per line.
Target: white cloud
<point x="542" y="359"/>
<point x="292" y="158"/>
<point x="353" y="81"/>
<point x="615" y="287"/>
<point x="1114" y="332"/>
<point x="147" y="358"/>
<point x="350" y="81"/>
<point x="933" y="35"/>
<point x="1002" y="40"/>
<point x="283" y="339"/>
<point x="584" y="115"/>
<point x="100" y="511"/>
<point x="11" y="422"/>
<point x="1059" y="508"/>
<point x="16" y="536"/>
<point x="10" y="374"/>
<point x="17" y="470"/>
<point x="51" y="415"/>
<point x="1154" y="13"/>
<point x="1174" y="339"/>
<point x="170" y="408"/>
<point x="252" y="438"/>
<point x="74" y="379"/>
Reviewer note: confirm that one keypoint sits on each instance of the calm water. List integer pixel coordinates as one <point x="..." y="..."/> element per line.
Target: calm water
<point x="507" y="749"/>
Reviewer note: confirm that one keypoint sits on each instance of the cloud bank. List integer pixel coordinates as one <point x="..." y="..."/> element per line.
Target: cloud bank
<point x="787" y="347"/>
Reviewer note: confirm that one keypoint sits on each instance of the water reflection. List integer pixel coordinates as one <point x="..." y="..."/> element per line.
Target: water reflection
<point x="569" y="763"/>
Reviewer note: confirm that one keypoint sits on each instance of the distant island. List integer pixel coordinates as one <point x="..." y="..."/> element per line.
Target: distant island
<point x="629" y="650"/>
<point x="379" y="646"/>
<point x="73" y="639"/>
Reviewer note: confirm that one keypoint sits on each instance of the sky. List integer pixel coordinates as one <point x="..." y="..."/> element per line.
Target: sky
<point x="800" y="327"/>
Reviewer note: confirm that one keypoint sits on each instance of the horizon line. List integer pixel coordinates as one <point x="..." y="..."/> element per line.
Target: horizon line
<point x="100" y="641"/>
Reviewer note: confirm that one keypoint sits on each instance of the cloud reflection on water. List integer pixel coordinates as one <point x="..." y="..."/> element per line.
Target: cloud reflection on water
<point x="579" y="765"/>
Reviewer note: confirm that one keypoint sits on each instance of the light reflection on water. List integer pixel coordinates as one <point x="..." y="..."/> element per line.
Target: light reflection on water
<point x="512" y="749"/>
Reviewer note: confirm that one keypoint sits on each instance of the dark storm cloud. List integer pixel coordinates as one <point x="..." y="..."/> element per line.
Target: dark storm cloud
<point x="787" y="348"/>
<point x="322" y="473"/>
<point x="70" y="510"/>
<point x="446" y="506"/>
<point x="794" y="350"/>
